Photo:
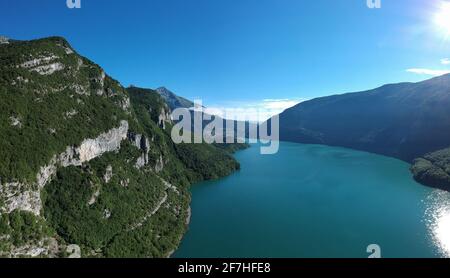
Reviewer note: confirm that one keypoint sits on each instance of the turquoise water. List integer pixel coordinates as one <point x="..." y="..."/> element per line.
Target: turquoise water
<point x="311" y="201"/>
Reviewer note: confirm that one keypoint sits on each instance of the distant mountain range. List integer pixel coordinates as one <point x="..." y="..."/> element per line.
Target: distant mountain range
<point x="408" y="121"/>
<point x="405" y="120"/>
<point x="175" y="101"/>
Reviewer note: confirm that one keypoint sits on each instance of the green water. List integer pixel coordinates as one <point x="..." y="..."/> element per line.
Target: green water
<point x="316" y="201"/>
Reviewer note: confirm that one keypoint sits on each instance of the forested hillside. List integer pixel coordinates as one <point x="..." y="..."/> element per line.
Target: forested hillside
<point x="88" y="168"/>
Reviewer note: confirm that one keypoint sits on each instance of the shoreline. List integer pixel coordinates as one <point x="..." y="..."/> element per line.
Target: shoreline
<point x="189" y="216"/>
<point x="187" y="222"/>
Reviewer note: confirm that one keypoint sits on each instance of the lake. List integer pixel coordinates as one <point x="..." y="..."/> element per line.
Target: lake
<point x="311" y="201"/>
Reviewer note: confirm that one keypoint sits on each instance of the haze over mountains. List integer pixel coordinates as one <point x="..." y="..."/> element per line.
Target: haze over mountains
<point x="407" y="121"/>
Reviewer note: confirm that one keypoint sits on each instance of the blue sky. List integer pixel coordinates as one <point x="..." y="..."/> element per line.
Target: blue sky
<point x="242" y="52"/>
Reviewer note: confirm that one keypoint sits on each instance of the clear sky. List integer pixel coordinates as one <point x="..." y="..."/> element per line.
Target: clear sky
<point x="241" y="52"/>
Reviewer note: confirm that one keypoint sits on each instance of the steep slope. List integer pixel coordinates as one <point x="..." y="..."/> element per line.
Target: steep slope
<point x="403" y="120"/>
<point x="173" y="100"/>
<point x="238" y="127"/>
<point x="86" y="171"/>
<point x="203" y="161"/>
<point x="176" y="102"/>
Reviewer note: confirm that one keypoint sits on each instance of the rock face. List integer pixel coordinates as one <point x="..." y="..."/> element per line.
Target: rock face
<point x="65" y="98"/>
<point x="143" y="144"/>
<point x="16" y="198"/>
<point x="47" y="247"/>
<point x="43" y="65"/>
<point x="101" y="81"/>
<point x="159" y="164"/>
<point x="19" y="196"/>
<point x="15" y="121"/>
<point x="48" y="69"/>
<point x="108" y="174"/>
<point x="164" y="117"/>
<point x="108" y="142"/>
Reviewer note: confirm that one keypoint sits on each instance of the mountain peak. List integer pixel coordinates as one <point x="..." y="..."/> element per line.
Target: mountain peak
<point x="164" y="91"/>
<point x="173" y="100"/>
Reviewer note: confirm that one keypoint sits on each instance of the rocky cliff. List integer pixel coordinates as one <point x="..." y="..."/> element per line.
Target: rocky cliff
<point x="26" y="197"/>
<point x="86" y="164"/>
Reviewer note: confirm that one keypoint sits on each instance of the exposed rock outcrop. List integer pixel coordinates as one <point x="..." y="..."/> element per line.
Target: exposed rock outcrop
<point x="101" y="81"/>
<point x="15" y="121"/>
<point x="48" y="69"/>
<point x="143" y="144"/>
<point x="108" y="174"/>
<point x="94" y="197"/>
<point x="159" y="166"/>
<point x="17" y="197"/>
<point x="45" y="65"/>
<point x="164" y="117"/>
<point x="22" y="196"/>
<point x="125" y="183"/>
<point x="126" y="104"/>
<point x="107" y="142"/>
<point x="47" y="247"/>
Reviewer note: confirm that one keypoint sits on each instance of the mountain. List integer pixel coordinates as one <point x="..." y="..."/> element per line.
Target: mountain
<point x="88" y="167"/>
<point x="405" y="120"/>
<point x="173" y="100"/>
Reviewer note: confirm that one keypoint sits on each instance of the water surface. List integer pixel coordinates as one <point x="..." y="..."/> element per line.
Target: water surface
<point x="311" y="201"/>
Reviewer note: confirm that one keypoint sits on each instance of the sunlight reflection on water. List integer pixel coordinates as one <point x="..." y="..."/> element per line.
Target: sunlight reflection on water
<point x="437" y="217"/>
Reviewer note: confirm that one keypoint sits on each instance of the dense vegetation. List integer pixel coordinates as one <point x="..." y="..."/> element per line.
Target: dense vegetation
<point x="198" y="157"/>
<point x="22" y="228"/>
<point x="203" y="161"/>
<point x="109" y="206"/>
<point x="108" y="219"/>
<point x="47" y="108"/>
<point x="433" y="169"/>
<point x="68" y="209"/>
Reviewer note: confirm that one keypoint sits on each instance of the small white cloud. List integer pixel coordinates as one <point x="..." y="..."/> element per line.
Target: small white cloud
<point x="445" y="61"/>
<point x="428" y="71"/>
<point x="257" y="111"/>
<point x="279" y="104"/>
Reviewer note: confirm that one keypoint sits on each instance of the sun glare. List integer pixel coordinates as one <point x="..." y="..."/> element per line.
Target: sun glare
<point x="442" y="18"/>
<point x="438" y="221"/>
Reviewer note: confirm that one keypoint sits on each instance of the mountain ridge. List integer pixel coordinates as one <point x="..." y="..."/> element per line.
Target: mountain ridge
<point x="87" y="164"/>
<point x="403" y="120"/>
<point x="174" y="101"/>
